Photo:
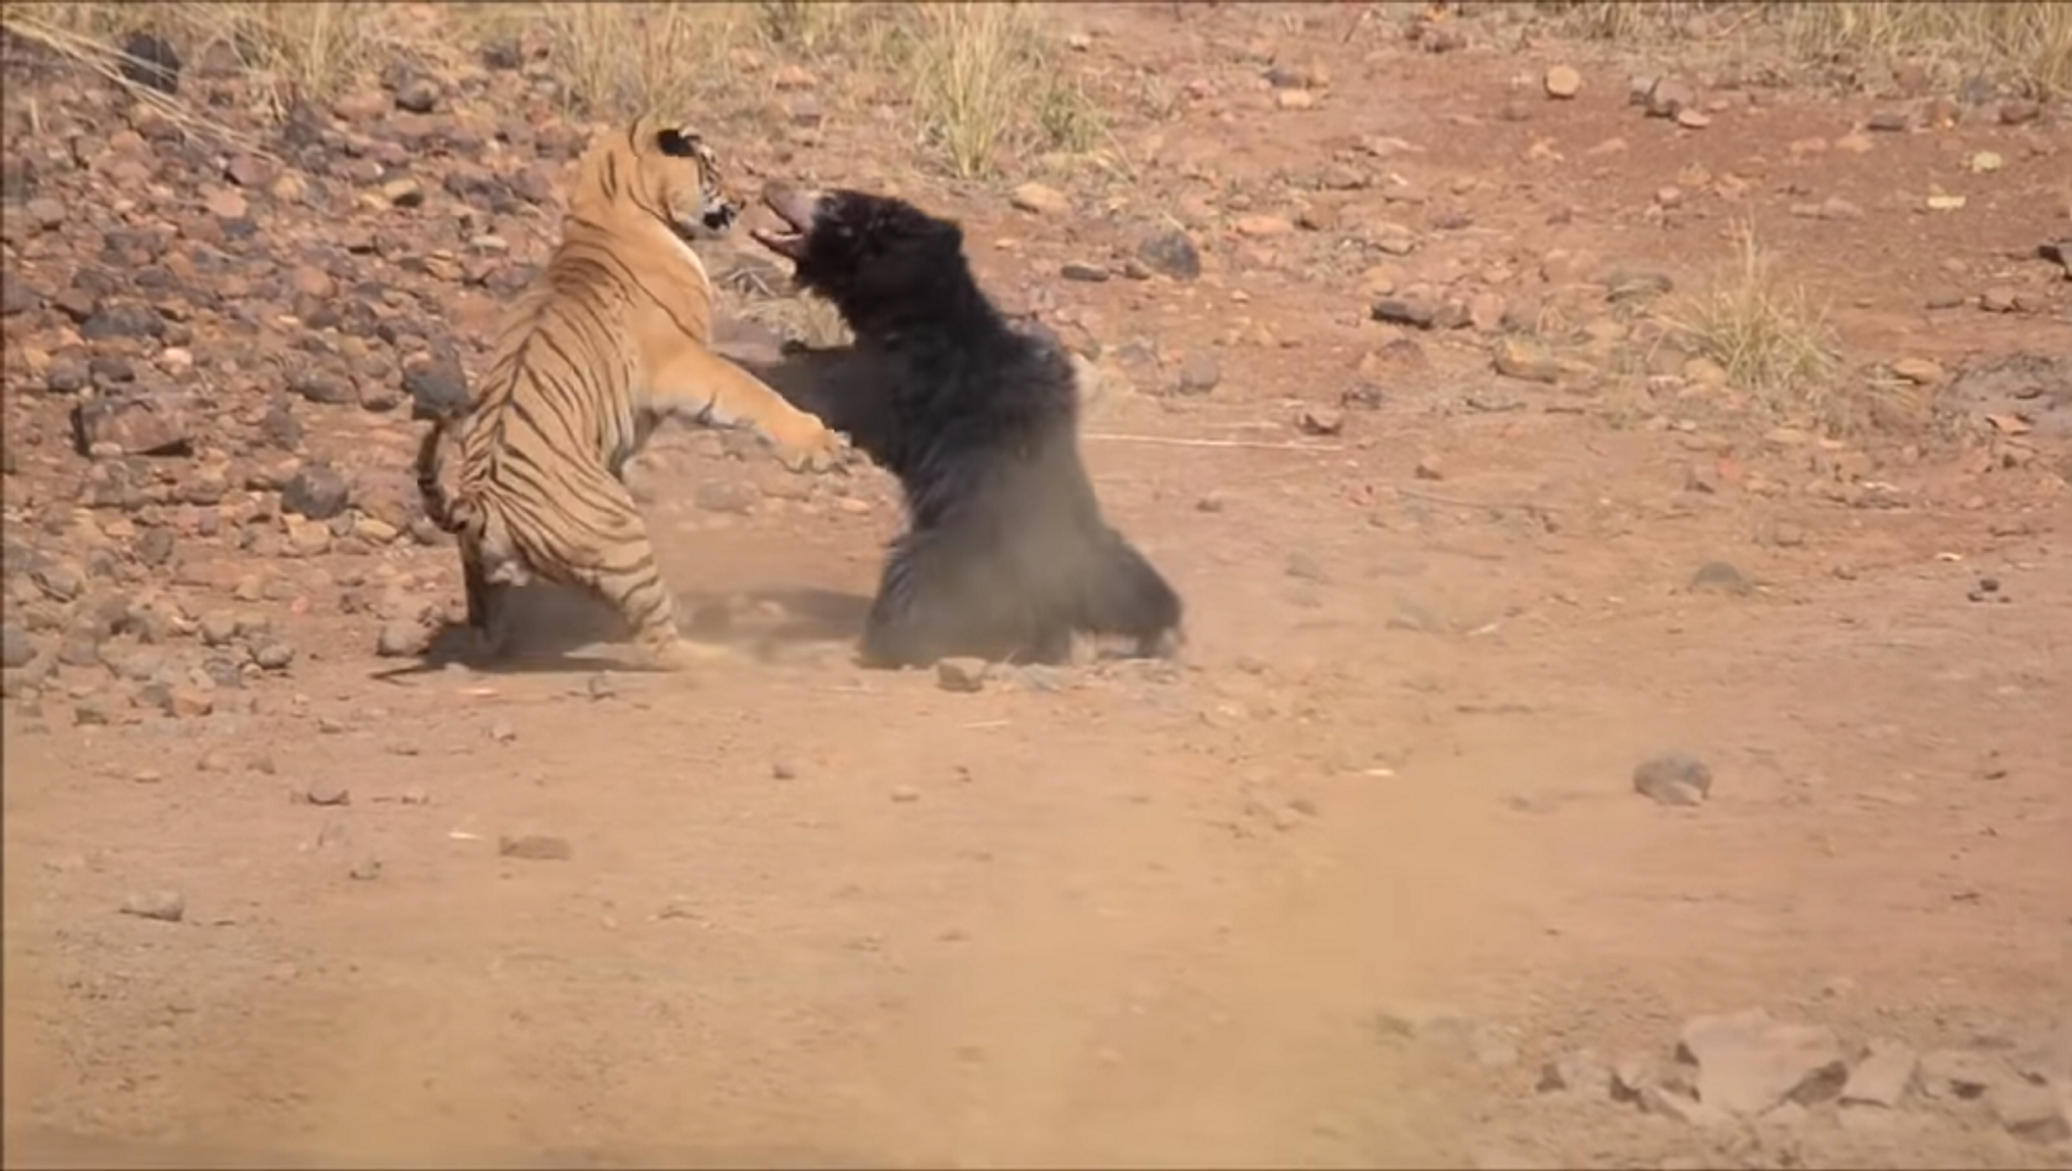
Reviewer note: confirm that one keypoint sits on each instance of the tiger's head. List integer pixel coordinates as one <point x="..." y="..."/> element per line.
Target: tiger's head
<point x="666" y="169"/>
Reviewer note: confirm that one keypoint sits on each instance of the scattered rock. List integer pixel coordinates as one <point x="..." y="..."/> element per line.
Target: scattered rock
<point x="1411" y="311"/>
<point x="404" y="193"/>
<point x="132" y="425"/>
<point x="323" y="385"/>
<point x="1882" y="1077"/>
<point x="326" y="793"/>
<point x="1172" y="253"/>
<point x="401" y="638"/>
<point x="16" y="647"/>
<point x="1580" y="1073"/>
<point x="2037" y="1114"/>
<point x="1092" y="274"/>
<point x="365" y="870"/>
<point x="1625" y="285"/>
<point x="2045" y="1054"/>
<point x="960" y="674"/>
<point x="1364" y="395"/>
<point x="1920" y="371"/>
<point x="1443" y="38"/>
<point x="166" y="906"/>
<point x="150" y="62"/>
<point x="1890" y="121"/>
<point x="1320" y="421"/>
<point x="273" y="656"/>
<point x="535" y="848"/>
<point x="419" y="95"/>
<point x="317" y="492"/>
<point x="192" y="703"/>
<point x="1673" y="778"/>
<point x="1563" y="81"/>
<point x="1837" y="208"/>
<point x="1748" y="1062"/>
<point x="436" y="388"/>
<point x="1486" y="311"/>
<point x="2019" y="112"/>
<point x="1526" y="360"/>
<point x="1259" y="227"/>
<point x="1667" y="97"/>
<point x="1040" y="200"/>
<point x="218" y="628"/>
<point x="1957" y="1074"/>
<point x="1677" y="1104"/>
<point x="1719" y="577"/>
<point x="1200" y="373"/>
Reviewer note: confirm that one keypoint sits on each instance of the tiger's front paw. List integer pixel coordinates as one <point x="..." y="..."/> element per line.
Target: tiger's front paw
<point x="817" y="451"/>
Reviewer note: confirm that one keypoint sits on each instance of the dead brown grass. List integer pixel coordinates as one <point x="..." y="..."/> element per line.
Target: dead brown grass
<point x="308" y="50"/>
<point x="1763" y="331"/>
<point x="990" y="84"/>
<point x="618" y="60"/>
<point x="2026" y="43"/>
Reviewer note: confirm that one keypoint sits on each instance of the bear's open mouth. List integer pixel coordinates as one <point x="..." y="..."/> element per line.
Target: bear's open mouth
<point x="796" y="208"/>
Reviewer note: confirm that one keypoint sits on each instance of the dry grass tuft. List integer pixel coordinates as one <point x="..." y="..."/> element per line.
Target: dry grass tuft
<point x="806" y="26"/>
<point x="1627" y="20"/>
<point x="288" y="51"/>
<point x="2027" y="43"/>
<point x="1765" y="333"/>
<point x="618" y="60"/>
<point x="989" y="85"/>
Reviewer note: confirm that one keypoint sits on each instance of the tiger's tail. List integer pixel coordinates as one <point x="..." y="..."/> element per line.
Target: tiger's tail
<point x="450" y="514"/>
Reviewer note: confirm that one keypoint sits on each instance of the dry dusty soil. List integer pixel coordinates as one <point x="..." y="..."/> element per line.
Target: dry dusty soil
<point x="1363" y="878"/>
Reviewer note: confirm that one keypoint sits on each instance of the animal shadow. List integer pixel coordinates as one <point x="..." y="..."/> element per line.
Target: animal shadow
<point x="554" y="628"/>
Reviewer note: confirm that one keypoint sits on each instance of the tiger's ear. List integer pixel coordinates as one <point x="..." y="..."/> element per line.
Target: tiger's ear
<point x="678" y="143"/>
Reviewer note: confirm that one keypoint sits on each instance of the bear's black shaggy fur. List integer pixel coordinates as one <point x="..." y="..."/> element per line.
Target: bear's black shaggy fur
<point x="1006" y="555"/>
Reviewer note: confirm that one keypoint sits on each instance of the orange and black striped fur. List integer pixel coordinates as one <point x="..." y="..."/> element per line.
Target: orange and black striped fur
<point x="613" y="337"/>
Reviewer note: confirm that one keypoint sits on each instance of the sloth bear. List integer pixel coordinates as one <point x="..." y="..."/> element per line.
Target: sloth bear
<point x="1006" y="555"/>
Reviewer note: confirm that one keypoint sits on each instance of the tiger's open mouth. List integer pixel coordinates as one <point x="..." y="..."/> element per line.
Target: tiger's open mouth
<point x="798" y="210"/>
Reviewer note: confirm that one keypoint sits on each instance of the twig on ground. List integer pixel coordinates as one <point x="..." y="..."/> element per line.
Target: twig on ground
<point x="1175" y="441"/>
<point x="1458" y="502"/>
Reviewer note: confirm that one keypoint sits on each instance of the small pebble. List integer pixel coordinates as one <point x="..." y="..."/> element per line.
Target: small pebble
<point x="166" y="906"/>
<point x="326" y="793"/>
<point x="535" y="848"/>
<point x="1673" y="778"/>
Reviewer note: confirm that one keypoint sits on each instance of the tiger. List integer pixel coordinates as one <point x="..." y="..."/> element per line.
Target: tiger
<point x="613" y="337"/>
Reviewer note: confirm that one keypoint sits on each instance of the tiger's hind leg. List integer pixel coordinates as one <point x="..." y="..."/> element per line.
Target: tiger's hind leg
<point x="613" y="558"/>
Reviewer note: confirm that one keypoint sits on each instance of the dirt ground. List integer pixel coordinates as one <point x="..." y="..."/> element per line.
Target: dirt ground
<point x="1334" y="888"/>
